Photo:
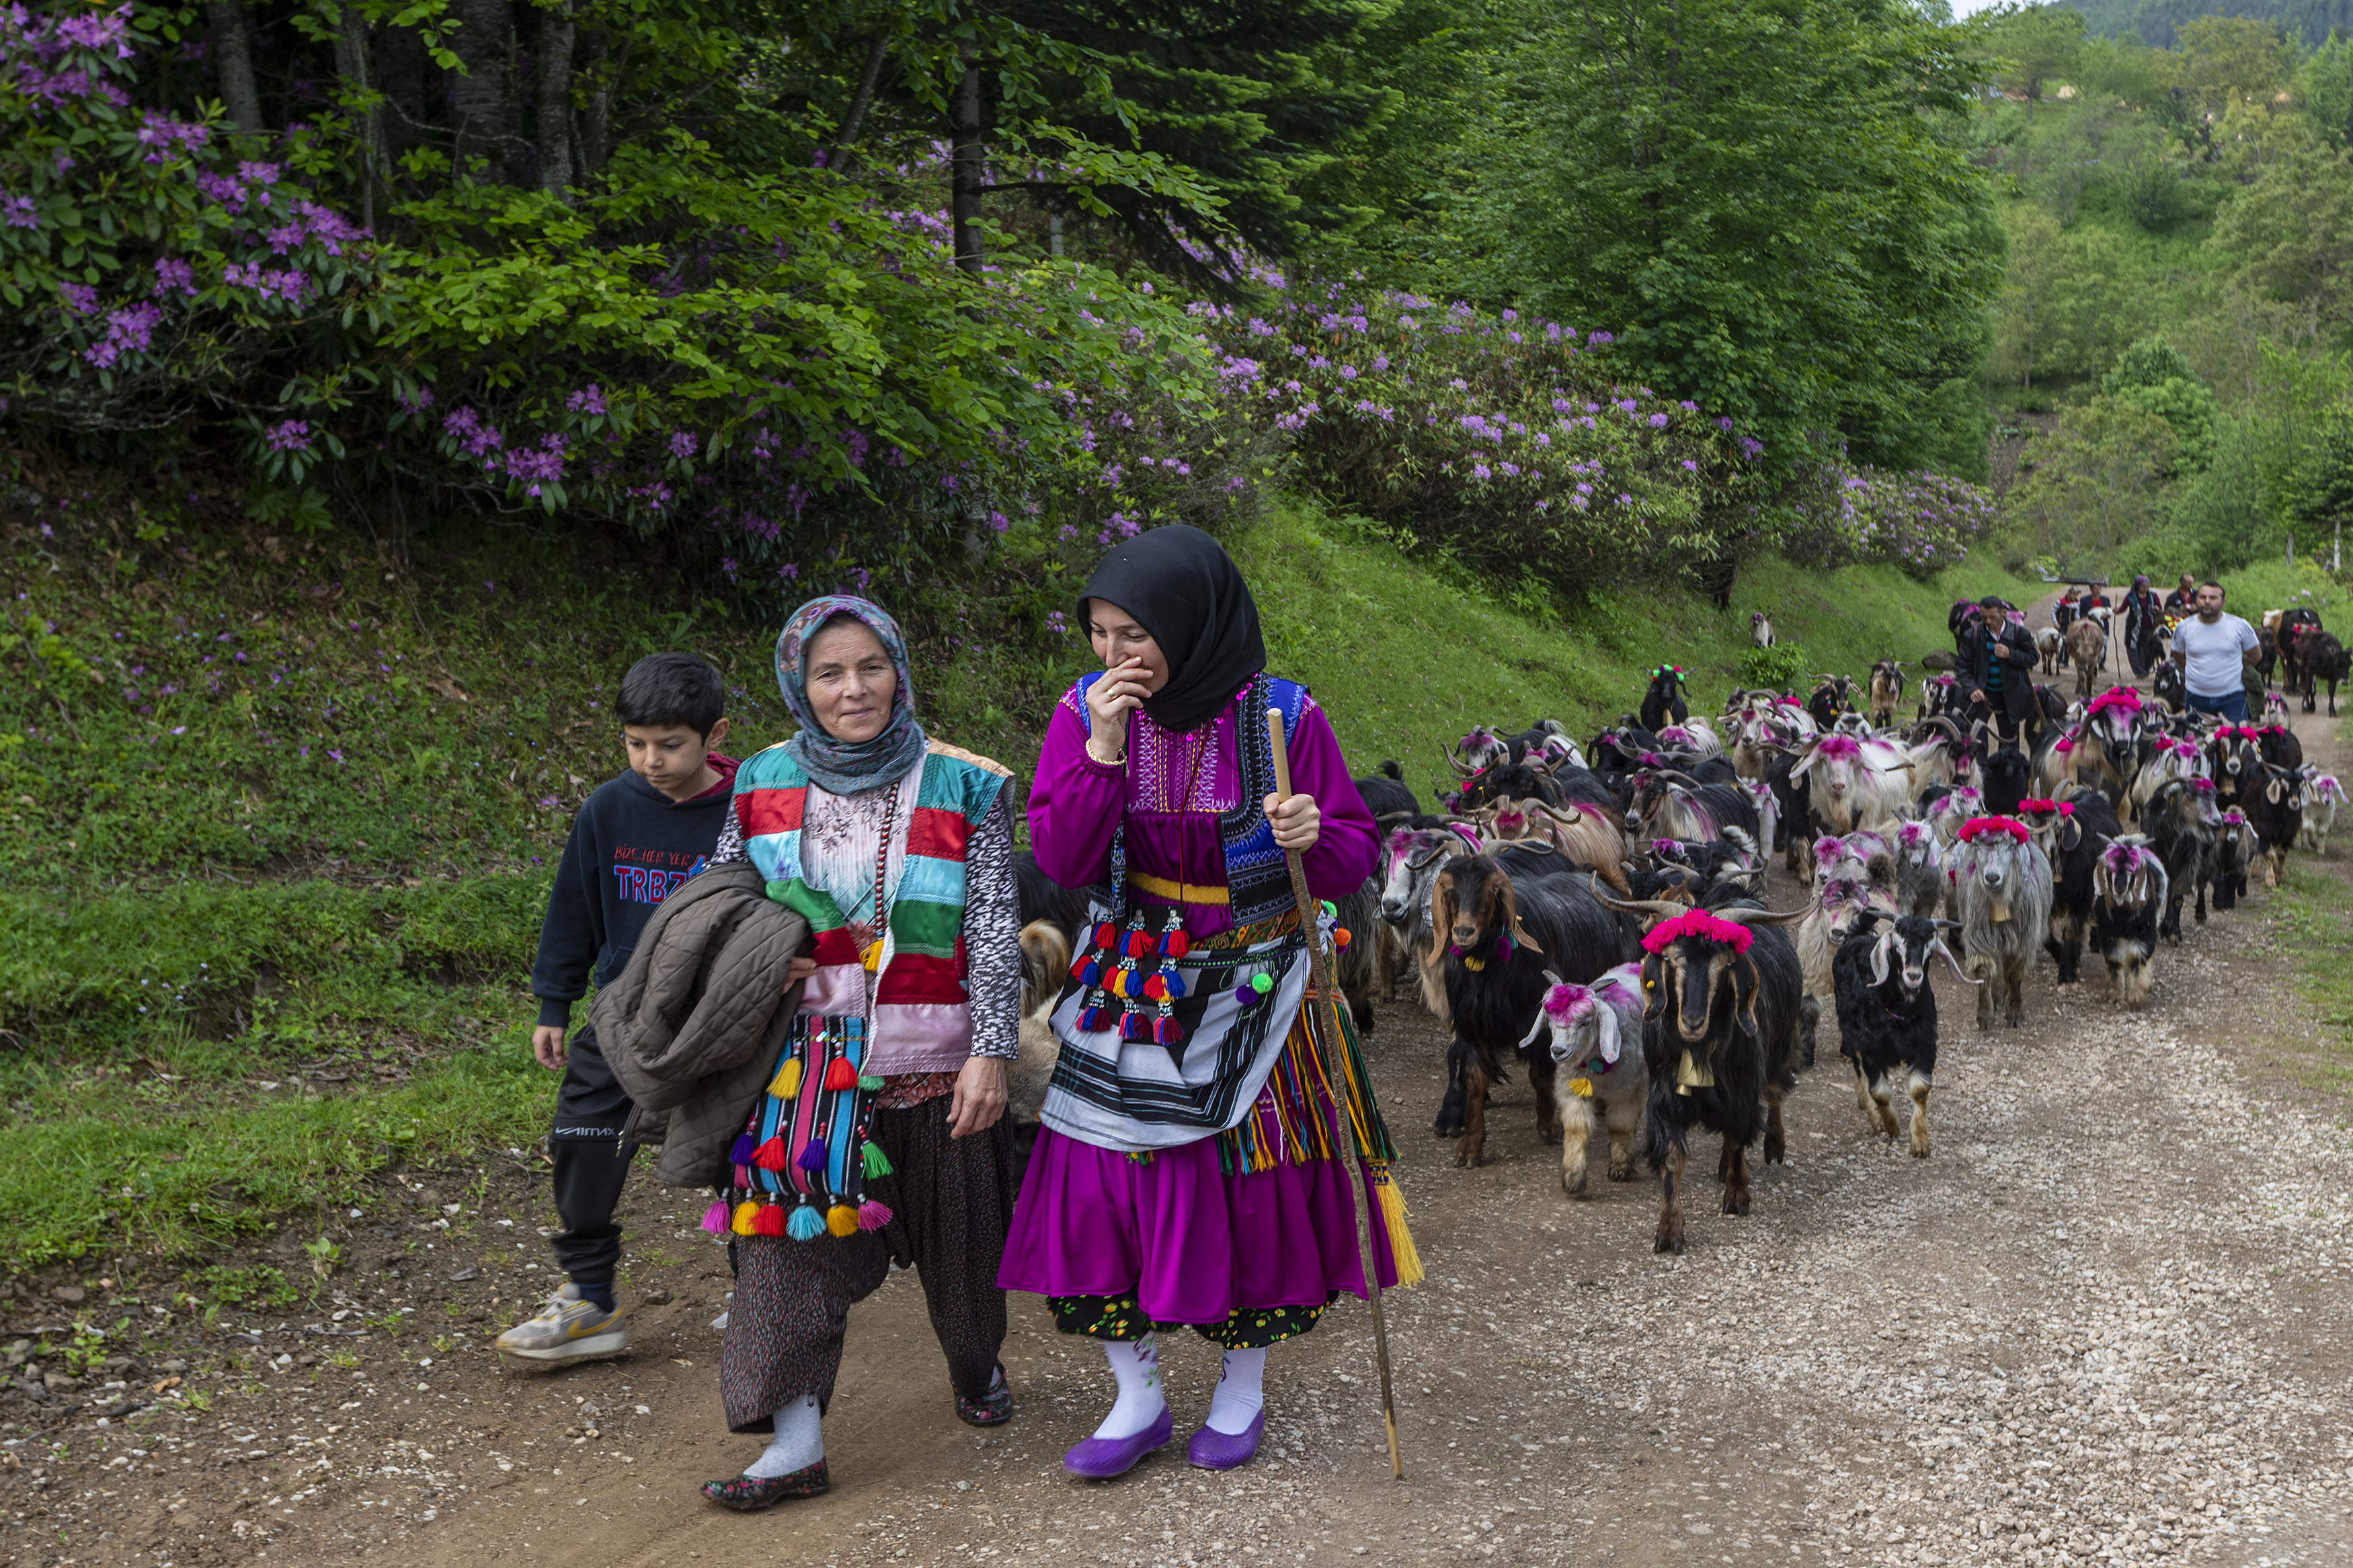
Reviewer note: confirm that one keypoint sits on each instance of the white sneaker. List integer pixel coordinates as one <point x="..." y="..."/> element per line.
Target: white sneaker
<point x="568" y="1329"/>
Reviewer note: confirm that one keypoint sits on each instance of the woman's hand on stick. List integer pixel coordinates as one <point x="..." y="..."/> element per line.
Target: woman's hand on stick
<point x="1296" y="821"/>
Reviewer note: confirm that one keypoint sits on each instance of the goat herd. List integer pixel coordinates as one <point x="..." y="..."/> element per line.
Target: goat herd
<point x="1595" y="910"/>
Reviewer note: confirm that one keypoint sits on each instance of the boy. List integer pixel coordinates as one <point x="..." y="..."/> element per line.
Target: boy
<point x="635" y="840"/>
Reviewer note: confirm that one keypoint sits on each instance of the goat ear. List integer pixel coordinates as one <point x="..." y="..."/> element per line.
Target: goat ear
<point x="1744" y="997"/>
<point x="1605" y="1025"/>
<point x="1441" y="914"/>
<point x="1654" y="994"/>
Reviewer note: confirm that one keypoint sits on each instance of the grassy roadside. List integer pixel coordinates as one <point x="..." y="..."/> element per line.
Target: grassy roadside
<point x="2312" y="911"/>
<point x="276" y="821"/>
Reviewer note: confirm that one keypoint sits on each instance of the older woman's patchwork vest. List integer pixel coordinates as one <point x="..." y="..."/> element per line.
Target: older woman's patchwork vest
<point x="922" y="1019"/>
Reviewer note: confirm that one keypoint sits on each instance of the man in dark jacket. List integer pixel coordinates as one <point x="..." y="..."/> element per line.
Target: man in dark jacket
<point x="1996" y="674"/>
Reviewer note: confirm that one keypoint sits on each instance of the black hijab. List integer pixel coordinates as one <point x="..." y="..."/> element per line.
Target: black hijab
<point x="1183" y="588"/>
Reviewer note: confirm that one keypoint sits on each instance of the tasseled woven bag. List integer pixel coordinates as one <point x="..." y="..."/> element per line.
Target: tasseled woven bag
<point x="804" y="1163"/>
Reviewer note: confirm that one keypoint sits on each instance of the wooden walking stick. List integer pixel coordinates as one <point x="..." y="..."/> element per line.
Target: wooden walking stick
<point x="1320" y="974"/>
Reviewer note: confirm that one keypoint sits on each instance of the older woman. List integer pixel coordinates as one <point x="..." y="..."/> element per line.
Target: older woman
<point x="899" y="851"/>
<point x="1192" y="1165"/>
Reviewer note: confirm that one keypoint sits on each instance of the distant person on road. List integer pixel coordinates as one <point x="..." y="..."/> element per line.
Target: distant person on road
<point x="636" y="839"/>
<point x="2215" y="650"/>
<point x="2182" y="603"/>
<point x="2070" y="605"/>
<point x="1194" y="1165"/>
<point x="898" y="849"/>
<point x="1996" y="676"/>
<point x="2144" y="619"/>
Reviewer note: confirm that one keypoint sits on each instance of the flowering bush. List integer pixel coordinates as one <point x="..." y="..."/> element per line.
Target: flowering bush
<point x="1922" y="522"/>
<point x="1505" y="442"/>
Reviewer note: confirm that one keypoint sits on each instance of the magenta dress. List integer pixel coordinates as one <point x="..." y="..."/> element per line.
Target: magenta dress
<point x="1161" y="1215"/>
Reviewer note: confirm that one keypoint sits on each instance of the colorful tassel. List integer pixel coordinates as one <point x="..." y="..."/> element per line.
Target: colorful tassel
<point x="1135" y="1026"/>
<point x="1104" y="935"/>
<point x="714" y="1219"/>
<point x="1166" y="1031"/>
<point x="870" y="1083"/>
<point x="813" y="1157"/>
<point x="1403" y="1255"/>
<point x="1175" y="944"/>
<point x="806" y="1224"/>
<point x="1155" y="989"/>
<point x="841" y="1220"/>
<point x="773" y="1155"/>
<point x="878" y="1163"/>
<point x="872" y="1215"/>
<point x="746" y="1212"/>
<point x="1245" y="997"/>
<point x="769" y="1221"/>
<point x="840" y="1075"/>
<point x="786" y="1084"/>
<point x="742" y="1154"/>
<point x="1174" y="983"/>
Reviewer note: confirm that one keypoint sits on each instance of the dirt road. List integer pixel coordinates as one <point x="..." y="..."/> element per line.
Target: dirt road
<point x="2104" y="1320"/>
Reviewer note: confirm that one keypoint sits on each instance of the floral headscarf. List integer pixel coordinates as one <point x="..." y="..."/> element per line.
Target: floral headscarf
<point x="841" y="767"/>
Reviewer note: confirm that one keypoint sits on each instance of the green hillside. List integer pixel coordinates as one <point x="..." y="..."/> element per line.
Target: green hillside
<point x="278" y="818"/>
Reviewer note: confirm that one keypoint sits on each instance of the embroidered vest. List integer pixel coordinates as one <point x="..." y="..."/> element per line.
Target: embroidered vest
<point x="1258" y="883"/>
<point x="922" y="1019"/>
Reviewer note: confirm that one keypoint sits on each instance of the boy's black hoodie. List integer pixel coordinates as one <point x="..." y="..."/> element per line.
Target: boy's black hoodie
<point x="630" y="847"/>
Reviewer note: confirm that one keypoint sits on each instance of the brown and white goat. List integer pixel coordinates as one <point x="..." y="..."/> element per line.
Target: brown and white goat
<point x="2087" y="649"/>
<point x="1886" y="690"/>
<point x="1409" y="863"/>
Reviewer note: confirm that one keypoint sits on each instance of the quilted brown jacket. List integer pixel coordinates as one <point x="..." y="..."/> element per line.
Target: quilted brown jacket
<point x="694" y="1026"/>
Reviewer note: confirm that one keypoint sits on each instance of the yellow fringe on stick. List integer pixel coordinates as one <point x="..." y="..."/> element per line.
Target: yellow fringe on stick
<point x="1403" y="1255"/>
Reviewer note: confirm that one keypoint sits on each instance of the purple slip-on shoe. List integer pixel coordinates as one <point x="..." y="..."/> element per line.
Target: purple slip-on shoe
<point x="1100" y="1459"/>
<point x="1213" y="1450"/>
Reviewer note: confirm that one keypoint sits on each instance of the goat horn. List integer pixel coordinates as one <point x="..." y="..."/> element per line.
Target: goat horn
<point x="1958" y="973"/>
<point x="1741" y="917"/>
<point x="1388" y="817"/>
<point x="1649" y="909"/>
<point x="1462" y="769"/>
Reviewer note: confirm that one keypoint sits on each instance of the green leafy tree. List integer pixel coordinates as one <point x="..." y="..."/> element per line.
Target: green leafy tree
<point x="2038" y="46"/>
<point x="2325" y="82"/>
<point x="1766" y="199"/>
<point x="2290" y="235"/>
<point x="2091" y="484"/>
<point x="2153" y="376"/>
<point x="2228" y="58"/>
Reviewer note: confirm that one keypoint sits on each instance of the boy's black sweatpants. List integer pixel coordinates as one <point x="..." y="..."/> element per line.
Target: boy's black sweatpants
<point x="590" y="1167"/>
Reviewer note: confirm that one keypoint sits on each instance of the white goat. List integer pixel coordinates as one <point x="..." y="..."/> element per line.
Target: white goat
<point x="1597" y="1046"/>
<point x="2322" y="795"/>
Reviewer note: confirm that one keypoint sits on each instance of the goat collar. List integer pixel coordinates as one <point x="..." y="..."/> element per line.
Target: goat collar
<point x="1977" y="827"/>
<point x="1503" y="954"/>
<point x="1701" y="925"/>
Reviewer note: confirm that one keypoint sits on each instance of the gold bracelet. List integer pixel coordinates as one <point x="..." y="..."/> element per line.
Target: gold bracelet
<point x="1105" y="762"/>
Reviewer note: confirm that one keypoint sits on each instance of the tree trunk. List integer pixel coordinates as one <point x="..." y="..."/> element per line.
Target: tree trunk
<point x="965" y="117"/>
<point x="367" y="119"/>
<point x="233" y="55"/>
<point x="481" y="95"/>
<point x="859" y="101"/>
<point x="556" y="32"/>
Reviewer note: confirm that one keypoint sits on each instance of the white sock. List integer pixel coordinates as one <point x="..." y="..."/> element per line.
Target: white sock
<point x="799" y="1442"/>
<point x="1241" y="1392"/>
<point x="1137" y="1366"/>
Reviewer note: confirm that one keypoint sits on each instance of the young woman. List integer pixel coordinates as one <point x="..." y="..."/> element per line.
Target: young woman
<point x="1192" y="1167"/>
<point x="899" y="851"/>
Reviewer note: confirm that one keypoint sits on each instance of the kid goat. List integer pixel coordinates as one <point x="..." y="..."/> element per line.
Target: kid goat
<point x="1887" y="1014"/>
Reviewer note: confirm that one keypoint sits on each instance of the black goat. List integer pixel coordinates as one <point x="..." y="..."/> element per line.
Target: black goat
<point x="1672" y="804"/>
<point x="2129" y="889"/>
<point x="2004" y="773"/>
<point x="1793" y="825"/>
<point x="1887" y="1014"/>
<point x="1389" y="797"/>
<point x="2170" y="689"/>
<point x="1663" y="703"/>
<point x="2275" y="807"/>
<point x="1040" y="899"/>
<point x="2279" y="747"/>
<point x="2235" y="846"/>
<point x="1832" y="695"/>
<point x="2319" y="657"/>
<point x="2179" y="821"/>
<point x="1503" y="919"/>
<point x="2073" y="833"/>
<point x="1720" y="1037"/>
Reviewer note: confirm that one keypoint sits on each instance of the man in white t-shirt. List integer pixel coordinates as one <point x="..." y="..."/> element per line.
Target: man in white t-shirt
<point x="2215" y="651"/>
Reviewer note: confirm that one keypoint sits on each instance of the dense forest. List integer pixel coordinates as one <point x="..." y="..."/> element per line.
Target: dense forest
<point x="811" y="291"/>
<point x="2173" y="317"/>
